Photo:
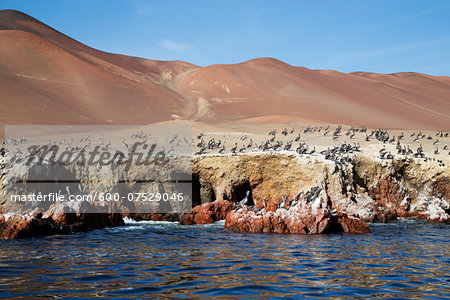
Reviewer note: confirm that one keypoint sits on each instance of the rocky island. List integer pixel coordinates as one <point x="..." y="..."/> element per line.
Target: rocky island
<point x="336" y="180"/>
<point x="268" y="154"/>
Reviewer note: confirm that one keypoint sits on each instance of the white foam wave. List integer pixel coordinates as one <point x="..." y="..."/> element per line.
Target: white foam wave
<point x="131" y="221"/>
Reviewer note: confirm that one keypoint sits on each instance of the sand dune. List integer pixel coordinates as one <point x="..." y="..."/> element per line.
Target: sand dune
<point x="266" y="87"/>
<point x="48" y="78"/>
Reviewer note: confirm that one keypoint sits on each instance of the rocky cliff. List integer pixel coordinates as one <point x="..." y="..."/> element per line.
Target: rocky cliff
<point x="285" y="193"/>
<point x="289" y="189"/>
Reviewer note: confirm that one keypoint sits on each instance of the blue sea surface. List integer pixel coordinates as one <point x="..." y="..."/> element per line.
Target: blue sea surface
<point x="406" y="259"/>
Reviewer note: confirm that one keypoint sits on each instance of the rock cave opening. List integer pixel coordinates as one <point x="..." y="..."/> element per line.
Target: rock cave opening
<point x="239" y="192"/>
<point x="202" y="191"/>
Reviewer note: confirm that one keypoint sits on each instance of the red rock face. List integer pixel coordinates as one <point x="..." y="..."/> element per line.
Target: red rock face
<point x="186" y="219"/>
<point x="294" y="220"/>
<point x="349" y="225"/>
<point x="211" y="212"/>
<point x="441" y="189"/>
<point x="389" y="195"/>
<point x="393" y="201"/>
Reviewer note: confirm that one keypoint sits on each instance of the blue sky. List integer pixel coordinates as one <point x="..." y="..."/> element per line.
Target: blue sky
<point x="383" y="36"/>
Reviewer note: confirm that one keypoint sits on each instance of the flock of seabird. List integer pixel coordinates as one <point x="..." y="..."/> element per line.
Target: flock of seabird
<point x="310" y="196"/>
<point x="12" y="147"/>
<point x="290" y="140"/>
<point x="339" y="153"/>
<point x="12" y="155"/>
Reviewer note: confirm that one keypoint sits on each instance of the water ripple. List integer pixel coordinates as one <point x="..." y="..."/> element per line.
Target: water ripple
<point x="406" y="259"/>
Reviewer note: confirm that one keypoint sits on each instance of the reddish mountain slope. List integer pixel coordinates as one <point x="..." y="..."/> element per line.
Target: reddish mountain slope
<point x="267" y="86"/>
<point x="49" y="78"/>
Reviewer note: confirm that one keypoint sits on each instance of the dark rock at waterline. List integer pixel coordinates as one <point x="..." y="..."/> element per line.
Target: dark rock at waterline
<point x="21" y="226"/>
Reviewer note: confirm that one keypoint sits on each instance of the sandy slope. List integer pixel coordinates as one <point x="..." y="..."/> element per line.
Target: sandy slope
<point x="266" y="86"/>
<point x="47" y="77"/>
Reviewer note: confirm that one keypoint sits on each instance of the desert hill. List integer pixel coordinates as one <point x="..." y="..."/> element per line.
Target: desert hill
<point x="48" y="78"/>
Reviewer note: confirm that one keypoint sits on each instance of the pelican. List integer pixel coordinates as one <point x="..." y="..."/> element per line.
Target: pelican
<point x="283" y="203"/>
<point x="233" y="150"/>
<point x="245" y="200"/>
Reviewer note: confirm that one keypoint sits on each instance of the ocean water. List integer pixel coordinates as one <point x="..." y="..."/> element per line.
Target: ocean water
<point x="408" y="259"/>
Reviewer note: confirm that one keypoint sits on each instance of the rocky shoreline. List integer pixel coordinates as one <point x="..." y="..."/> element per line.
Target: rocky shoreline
<point x="365" y="190"/>
<point x="287" y="193"/>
